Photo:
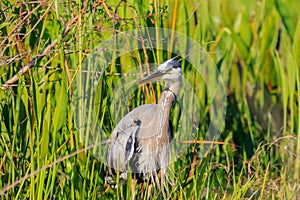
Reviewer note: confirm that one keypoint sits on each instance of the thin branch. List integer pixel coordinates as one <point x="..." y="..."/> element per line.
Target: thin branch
<point x="17" y="27"/>
<point x="61" y="159"/>
<point x="23" y="70"/>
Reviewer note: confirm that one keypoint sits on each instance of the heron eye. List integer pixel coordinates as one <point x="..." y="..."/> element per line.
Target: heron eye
<point x="170" y="70"/>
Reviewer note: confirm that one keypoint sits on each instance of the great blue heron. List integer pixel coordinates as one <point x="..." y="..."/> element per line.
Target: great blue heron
<point x="141" y="140"/>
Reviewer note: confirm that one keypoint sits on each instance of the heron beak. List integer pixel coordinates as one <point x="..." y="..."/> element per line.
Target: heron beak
<point x="152" y="77"/>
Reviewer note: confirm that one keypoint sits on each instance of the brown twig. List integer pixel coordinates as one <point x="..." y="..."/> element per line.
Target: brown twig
<point x="24" y="69"/>
<point x="173" y="28"/>
<point x="202" y="142"/>
<point x="107" y="10"/>
<point x="193" y="165"/>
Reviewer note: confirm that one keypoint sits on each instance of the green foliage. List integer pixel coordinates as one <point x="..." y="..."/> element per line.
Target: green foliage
<point x="255" y="45"/>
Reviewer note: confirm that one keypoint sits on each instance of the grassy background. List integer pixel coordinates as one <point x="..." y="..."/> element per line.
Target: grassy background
<point x="258" y="56"/>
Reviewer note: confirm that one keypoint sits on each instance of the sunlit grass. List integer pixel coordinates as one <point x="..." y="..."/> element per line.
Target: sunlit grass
<point x="254" y="44"/>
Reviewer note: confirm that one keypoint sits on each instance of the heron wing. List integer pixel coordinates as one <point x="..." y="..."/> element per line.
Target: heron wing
<point x="123" y="137"/>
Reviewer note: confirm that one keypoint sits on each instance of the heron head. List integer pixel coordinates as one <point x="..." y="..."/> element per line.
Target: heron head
<point x="169" y="71"/>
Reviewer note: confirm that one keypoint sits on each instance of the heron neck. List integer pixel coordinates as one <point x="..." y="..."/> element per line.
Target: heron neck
<point x="162" y="114"/>
<point x="169" y="94"/>
<point x="174" y="86"/>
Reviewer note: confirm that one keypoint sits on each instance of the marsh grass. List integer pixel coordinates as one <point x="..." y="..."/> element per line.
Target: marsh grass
<point x="254" y="44"/>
